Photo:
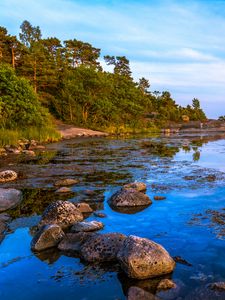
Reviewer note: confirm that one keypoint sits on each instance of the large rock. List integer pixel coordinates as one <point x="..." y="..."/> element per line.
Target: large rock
<point x="9" y="198"/>
<point x="62" y="213"/>
<point x="86" y="226"/>
<point x="102" y="247"/>
<point x="138" y="186"/>
<point x="72" y="242"/>
<point x="141" y="258"/>
<point x="65" y="182"/>
<point x="128" y="198"/>
<point x="7" y="175"/>
<point x="47" y="237"/>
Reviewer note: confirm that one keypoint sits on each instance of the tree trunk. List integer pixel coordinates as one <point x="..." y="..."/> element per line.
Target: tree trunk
<point x="35" y="76"/>
<point x="13" y="57"/>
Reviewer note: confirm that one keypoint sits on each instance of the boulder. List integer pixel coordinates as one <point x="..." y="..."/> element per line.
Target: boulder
<point x="63" y="190"/>
<point x="65" y="182"/>
<point x="47" y="237"/>
<point x="138" y="186"/>
<point x="72" y="242"/>
<point x="136" y="293"/>
<point x="84" y="207"/>
<point x="9" y="198"/>
<point x="141" y="258"/>
<point x="87" y="226"/>
<point x="102" y="247"/>
<point x="127" y="198"/>
<point x="7" y="175"/>
<point x="62" y="213"/>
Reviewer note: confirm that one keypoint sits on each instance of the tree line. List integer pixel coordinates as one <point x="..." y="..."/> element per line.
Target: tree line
<point x="68" y="80"/>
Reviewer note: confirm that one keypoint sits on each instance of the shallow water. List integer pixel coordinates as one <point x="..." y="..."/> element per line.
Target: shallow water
<point x="188" y="170"/>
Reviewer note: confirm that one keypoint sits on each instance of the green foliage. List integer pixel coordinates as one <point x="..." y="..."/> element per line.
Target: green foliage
<point x="19" y="105"/>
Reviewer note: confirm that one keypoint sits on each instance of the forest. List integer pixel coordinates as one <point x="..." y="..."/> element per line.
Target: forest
<point x="42" y="79"/>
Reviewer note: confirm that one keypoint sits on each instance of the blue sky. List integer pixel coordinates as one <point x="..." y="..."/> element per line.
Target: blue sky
<point x="178" y="45"/>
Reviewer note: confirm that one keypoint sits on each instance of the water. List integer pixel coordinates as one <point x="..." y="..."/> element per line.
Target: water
<point x="188" y="170"/>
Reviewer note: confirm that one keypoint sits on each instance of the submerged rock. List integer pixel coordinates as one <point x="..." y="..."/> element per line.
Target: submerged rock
<point x="4" y="218"/>
<point x="72" y="242"/>
<point x="65" y="182"/>
<point x="102" y="247"/>
<point x="218" y="286"/>
<point x="84" y="207"/>
<point x="47" y="237"/>
<point x="136" y="293"/>
<point x="7" y="175"/>
<point x="141" y="258"/>
<point x="63" y="189"/>
<point x="166" y="284"/>
<point x="159" y="197"/>
<point x="87" y="226"/>
<point x="100" y="214"/>
<point x="62" y="213"/>
<point x="9" y="198"/>
<point x="130" y="197"/>
<point x="138" y="186"/>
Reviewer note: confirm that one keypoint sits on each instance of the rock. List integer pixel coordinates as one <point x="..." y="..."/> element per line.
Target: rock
<point x="180" y="260"/>
<point x="159" y="197"/>
<point x="136" y="293"/>
<point x="9" y="198"/>
<point x="130" y="197"/>
<point x="84" y="207"/>
<point x="102" y="247"/>
<point x="138" y="186"/>
<point x="141" y="258"/>
<point x="87" y="226"/>
<point x="218" y="286"/>
<point x="72" y="242"/>
<point x="65" y="182"/>
<point x="7" y="175"/>
<point x="63" y="189"/>
<point x="3" y="152"/>
<point x="100" y="214"/>
<point x="166" y="284"/>
<point x="29" y="152"/>
<point x="13" y="149"/>
<point x="47" y="237"/>
<point x="62" y="213"/>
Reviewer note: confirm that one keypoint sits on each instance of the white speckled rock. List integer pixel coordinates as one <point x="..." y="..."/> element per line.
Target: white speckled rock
<point x="62" y="213"/>
<point x="7" y="175"/>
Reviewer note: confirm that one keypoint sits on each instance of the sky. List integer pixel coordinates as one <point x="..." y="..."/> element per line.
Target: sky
<point x="179" y="45"/>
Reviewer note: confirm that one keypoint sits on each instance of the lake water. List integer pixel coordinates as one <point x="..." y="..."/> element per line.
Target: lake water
<point x="187" y="170"/>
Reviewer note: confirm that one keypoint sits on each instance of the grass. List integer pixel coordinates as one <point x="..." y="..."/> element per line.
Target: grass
<point x="42" y="135"/>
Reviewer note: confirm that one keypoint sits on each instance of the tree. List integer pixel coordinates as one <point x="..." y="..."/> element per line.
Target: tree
<point x="79" y="53"/>
<point x="144" y="85"/>
<point x="120" y="63"/>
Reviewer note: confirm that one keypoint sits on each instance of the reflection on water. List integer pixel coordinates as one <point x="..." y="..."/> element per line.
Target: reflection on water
<point x="189" y="223"/>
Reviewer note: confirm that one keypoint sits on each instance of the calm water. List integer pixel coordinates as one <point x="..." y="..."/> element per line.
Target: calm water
<point x="188" y="170"/>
